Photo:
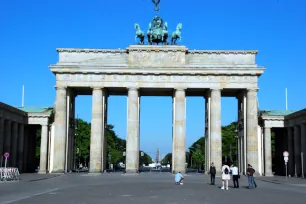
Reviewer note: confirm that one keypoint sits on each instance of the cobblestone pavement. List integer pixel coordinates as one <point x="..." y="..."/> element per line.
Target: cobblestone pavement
<point x="146" y="188"/>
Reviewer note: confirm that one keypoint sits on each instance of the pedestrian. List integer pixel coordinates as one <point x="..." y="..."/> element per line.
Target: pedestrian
<point x="179" y="178"/>
<point x="250" y="172"/>
<point x="225" y="176"/>
<point x="235" y="174"/>
<point x="212" y="172"/>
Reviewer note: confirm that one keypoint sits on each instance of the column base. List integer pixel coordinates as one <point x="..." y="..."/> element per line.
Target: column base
<point x="269" y="175"/>
<point x="57" y="172"/>
<point x="95" y="171"/>
<point x="131" y="171"/>
<point x="42" y="171"/>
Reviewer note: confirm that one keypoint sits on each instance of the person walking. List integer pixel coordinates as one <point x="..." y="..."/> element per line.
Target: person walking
<point x="225" y="176"/>
<point x="250" y="172"/>
<point x="235" y="174"/>
<point x="212" y="172"/>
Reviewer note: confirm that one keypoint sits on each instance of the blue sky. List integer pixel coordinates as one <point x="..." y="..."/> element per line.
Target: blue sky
<point x="31" y="30"/>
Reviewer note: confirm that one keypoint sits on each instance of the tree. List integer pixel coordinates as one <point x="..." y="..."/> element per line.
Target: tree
<point x="229" y="142"/>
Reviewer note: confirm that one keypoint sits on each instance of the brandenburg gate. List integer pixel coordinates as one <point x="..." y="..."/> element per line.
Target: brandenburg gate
<point x="155" y="70"/>
<point x="142" y="70"/>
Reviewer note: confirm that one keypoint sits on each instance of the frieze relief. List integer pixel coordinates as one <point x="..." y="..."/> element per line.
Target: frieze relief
<point x="154" y="78"/>
<point x="151" y="59"/>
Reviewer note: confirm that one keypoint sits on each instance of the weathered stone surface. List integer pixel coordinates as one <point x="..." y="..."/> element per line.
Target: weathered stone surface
<point x="268" y="152"/>
<point x="43" y="149"/>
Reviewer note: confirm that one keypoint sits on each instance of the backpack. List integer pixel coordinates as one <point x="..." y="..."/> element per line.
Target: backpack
<point x="226" y="170"/>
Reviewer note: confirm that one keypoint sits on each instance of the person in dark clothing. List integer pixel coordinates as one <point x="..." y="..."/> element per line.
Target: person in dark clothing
<point x="250" y="172"/>
<point x="212" y="172"/>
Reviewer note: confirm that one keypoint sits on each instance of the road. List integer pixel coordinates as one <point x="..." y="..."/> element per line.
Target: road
<point x="145" y="188"/>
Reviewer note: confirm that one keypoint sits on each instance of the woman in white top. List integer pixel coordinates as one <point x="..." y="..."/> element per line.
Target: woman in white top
<point x="225" y="176"/>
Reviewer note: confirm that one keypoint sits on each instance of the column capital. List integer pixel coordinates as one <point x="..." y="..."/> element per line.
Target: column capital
<point x="133" y="88"/>
<point x="253" y="90"/>
<point x="216" y="89"/>
<point x="60" y="87"/>
<point x="97" y="87"/>
<point x="180" y="88"/>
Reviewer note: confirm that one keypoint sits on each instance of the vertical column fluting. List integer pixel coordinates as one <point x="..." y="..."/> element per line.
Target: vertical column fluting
<point x="215" y="128"/>
<point x="252" y="129"/>
<point x="14" y="144"/>
<point x="207" y="131"/>
<point x="303" y="147"/>
<point x="60" y="130"/>
<point x="173" y="134"/>
<point x="7" y="140"/>
<point x="20" y="150"/>
<point x="268" y="152"/>
<point x="43" y="149"/>
<point x="180" y="131"/>
<point x="291" y="152"/>
<point x="132" y="142"/>
<point x="1" y="137"/>
<point x="297" y="150"/>
<point x="97" y="129"/>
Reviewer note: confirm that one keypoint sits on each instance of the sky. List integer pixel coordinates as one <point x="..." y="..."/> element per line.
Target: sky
<point x="31" y="30"/>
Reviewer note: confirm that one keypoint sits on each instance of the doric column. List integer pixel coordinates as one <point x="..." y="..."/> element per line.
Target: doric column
<point x="252" y="133"/>
<point x="291" y="152"/>
<point x="207" y="130"/>
<point x="132" y="142"/>
<point x="297" y="150"/>
<point x="14" y="144"/>
<point x="43" y="149"/>
<point x="97" y="131"/>
<point x="20" y="150"/>
<point x="179" y="139"/>
<point x="1" y="137"/>
<point x="25" y="154"/>
<point x="60" y="130"/>
<point x="268" y="152"/>
<point x="7" y="140"/>
<point x="215" y="128"/>
<point x="303" y="147"/>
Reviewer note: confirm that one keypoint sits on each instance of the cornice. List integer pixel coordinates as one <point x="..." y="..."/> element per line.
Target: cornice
<point x="80" y="50"/>
<point x="12" y="109"/>
<point x="253" y="52"/>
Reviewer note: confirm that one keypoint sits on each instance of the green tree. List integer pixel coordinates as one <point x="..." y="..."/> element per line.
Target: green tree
<point x="229" y="141"/>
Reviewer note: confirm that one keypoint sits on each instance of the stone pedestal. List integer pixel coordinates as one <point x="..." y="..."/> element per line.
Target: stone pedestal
<point x="179" y="139"/>
<point x="60" y="121"/>
<point x="268" y="152"/>
<point x="132" y="142"/>
<point x="252" y="128"/>
<point x="215" y="128"/>
<point x="43" y="149"/>
<point x="97" y="131"/>
<point x="297" y="150"/>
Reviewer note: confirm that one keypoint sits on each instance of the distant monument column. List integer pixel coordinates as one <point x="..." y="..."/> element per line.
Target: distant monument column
<point x="60" y="122"/>
<point x="215" y="130"/>
<point x="132" y="142"/>
<point x="268" y="152"/>
<point x="43" y="149"/>
<point x="252" y="127"/>
<point x="180" y="131"/>
<point x="97" y="131"/>
<point x="297" y="151"/>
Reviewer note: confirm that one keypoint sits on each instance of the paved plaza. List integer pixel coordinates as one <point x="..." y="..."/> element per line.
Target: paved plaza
<point x="146" y="188"/>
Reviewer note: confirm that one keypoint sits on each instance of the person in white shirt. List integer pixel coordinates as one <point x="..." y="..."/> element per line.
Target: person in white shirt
<point x="235" y="174"/>
<point x="179" y="178"/>
<point x="225" y="176"/>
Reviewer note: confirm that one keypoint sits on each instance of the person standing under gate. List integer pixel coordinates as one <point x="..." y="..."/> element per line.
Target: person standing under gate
<point x="225" y="176"/>
<point x="235" y="174"/>
<point x="212" y="172"/>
